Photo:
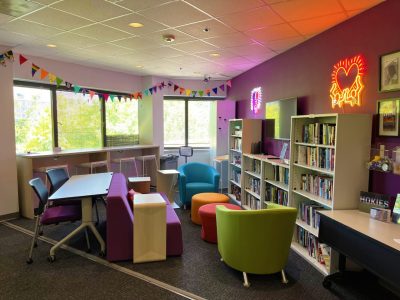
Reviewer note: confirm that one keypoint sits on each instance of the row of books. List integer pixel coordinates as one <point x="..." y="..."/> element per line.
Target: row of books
<point x="251" y="202"/>
<point x="320" y="252"/>
<point x="236" y="175"/>
<point x="256" y="166"/>
<point x="318" y="133"/>
<point x="321" y="186"/>
<point x="236" y="191"/>
<point x="281" y="174"/>
<point x="276" y="195"/>
<point x="237" y="144"/>
<point x="254" y="185"/>
<point x="308" y="213"/>
<point x="237" y="159"/>
<point x="323" y="158"/>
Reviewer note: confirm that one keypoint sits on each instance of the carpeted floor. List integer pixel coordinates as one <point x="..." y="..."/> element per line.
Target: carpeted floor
<point x="199" y="271"/>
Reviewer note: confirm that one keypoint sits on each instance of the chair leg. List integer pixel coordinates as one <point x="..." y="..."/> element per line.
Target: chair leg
<point x="97" y="211"/>
<point x="284" y="279"/>
<point x="87" y="240"/>
<point x="246" y="283"/>
<point x="35" y="235"/>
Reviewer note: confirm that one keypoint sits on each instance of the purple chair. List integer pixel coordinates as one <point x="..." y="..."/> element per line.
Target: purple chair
<point x="49" y="215"/>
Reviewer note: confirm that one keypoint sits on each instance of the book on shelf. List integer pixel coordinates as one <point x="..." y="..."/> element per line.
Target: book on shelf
<point x="311" y="243"/>
<point x="256" y="166"/>
<point x="237" y="144"/>
<point x="237" y="159"/>
<point x="321" y="186"/>
<point x="369" y="200"/>
<point x="308" y="213"/>
<point x="254" y="185"/>
<point x="323" y="158"/>
<point x="319" y="133"/>
<point x="276" y="195"/>
<point x="251" y="201"/>
<point x="236" y="175"/>
<point x="281" y="174"/>
<point x="236" y="191"/>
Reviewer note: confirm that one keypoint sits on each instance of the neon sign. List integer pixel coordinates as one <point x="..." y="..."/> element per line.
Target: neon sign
<point x="347" y="82"/>
<point x="256" y="99"/>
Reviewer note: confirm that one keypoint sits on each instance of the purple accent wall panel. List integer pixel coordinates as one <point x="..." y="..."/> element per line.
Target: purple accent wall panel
<point x="305" y="72"/>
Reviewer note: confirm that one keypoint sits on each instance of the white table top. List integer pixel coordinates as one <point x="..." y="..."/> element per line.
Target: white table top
<point x="79" y="186"/>
<point x="148" y="199"/>
<point x="139" y="179"/>
<point x="386" y="233"/>
<point x="169" y="171"/>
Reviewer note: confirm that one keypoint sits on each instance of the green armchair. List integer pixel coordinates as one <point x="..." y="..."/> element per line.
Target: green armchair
<point x="256" y="241"/>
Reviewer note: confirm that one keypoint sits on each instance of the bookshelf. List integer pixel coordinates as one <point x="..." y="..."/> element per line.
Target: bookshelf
<point x="243" y="133"/>
<point x="327" y="172"/>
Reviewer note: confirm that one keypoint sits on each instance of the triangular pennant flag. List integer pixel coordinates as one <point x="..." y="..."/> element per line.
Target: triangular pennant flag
<point x="151" y="91"/>
<point x="58" y="81"/>
<point x="22" y="59"/>
<point x="194" y="93"/>
<point x="35" y="68"/>
<point x="188" y="92"/>
<point x="162" y="84"/>
<point x="170" y="83"/>
<point x="2" y="60"/>
<point x="139" y="95"/>
<point x="112" y="98"/>
<point x="91" y="93"/>
<point x="68" y="84"/>
<point x="229" y="83"/>
<point x="10" y="55"/>
<point x="43" y="73"/>
<point x="52" y="77"/>
<point x="222" y="87"/>
<point x="134" y="95"/>
<point x="155" y="89"/>
<point x="100" y="96"/>
<point x="84" y="92"/>
<point x="215" y="90"/>
<point x="176" y="87"/>
<point x="105" y="97"/>
<point x="119" y="98"/>
<point x="181" y="90"/>
<point x="201" y="93"/>
<point x="77" y="88"/>
<point x="146" y="92"/>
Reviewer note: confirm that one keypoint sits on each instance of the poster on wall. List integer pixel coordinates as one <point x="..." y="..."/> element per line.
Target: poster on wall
<point x="388" y="112"/>
<point x="389" y="72"/>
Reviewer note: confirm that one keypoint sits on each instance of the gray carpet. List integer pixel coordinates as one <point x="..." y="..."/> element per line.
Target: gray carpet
<point x="199" y="271"/>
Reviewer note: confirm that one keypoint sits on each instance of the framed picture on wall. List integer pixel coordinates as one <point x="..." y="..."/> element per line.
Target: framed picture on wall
<point x="389" y="72"/>
<point x="388" y="113"/>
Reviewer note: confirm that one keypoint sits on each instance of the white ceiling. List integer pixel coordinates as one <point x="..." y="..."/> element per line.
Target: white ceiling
<point x="96" y="33"/>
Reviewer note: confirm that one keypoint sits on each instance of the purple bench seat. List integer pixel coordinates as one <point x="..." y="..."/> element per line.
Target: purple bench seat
<point x="120" y="222"/>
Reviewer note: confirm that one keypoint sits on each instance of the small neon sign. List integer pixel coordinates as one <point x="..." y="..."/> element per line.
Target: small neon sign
<point x="256" y="99"/>
<point x="347" y="82"/>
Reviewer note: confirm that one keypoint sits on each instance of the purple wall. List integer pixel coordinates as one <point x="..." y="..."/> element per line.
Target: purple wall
<point x="305" y="72"/>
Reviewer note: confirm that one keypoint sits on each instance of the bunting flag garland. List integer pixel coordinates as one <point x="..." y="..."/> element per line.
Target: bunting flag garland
<point x="188" y="92"/>
<point x="9" y="55"/>
<point x="194" y="93"/>
<point x="112" y="98"/>
<point x="77" y="88"/>
<point x="2" y="60"/>
<point x="201" y="93"/>
<point x="68" y="85"/>
<point x="22" y="59"/>
<point x="151" y="90"/>
<point x="175" y="87"/>
<point x="229" y="83"/>
<point x="35" y="68"/>
<point x="105" y="97"/>
<point x="215" y="90"/>
<point x="146" y="92"/>
<point x="43" y="73"/>
<point x="91" y="93"/>
<point x="59" y="81"/>
<point x="181" y="90"/>
<point x="222" y="87"/>
<point x="52" y="77"/>
<point x="169" y="83"/>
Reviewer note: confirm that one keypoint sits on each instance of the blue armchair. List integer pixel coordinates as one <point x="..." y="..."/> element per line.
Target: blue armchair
<point x="196" y="178"/>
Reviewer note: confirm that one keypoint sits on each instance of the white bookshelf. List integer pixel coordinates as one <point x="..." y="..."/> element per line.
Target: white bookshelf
<point x="346" y="171"/>
<point x="242" y="134"/>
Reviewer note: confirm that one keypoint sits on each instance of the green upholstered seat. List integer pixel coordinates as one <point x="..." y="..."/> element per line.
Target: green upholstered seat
<point x="256" y="241"/>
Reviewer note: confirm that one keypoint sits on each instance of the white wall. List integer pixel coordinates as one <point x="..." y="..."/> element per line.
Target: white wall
<point x="8" y="163"/>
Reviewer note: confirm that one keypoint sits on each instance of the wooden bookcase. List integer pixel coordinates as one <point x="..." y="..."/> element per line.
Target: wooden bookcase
<point x="243" y="133"/>
<point x="327" y="171"/>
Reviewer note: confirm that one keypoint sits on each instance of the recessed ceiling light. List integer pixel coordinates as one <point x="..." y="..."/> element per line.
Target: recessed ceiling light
<point x="51" y="45"/>
<point x="136" y="25"/>
<point x="169" y="38"/>
<point x="139" y="67"/>
<point x="214" y="54"/>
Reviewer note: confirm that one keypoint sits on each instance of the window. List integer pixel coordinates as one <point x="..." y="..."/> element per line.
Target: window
<point x="33" y="122"/>
<point x="187" y="123"/>
<point x="47" y="117"/>
<point x="122" y="126"/>
<point x="78" y="120"/>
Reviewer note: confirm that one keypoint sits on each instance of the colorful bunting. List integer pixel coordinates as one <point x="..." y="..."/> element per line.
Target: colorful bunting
<point x="52" y="77"/>
<point x="58" y="81"/>
<point x="105" y="97"/>
<point x="201" y="93"/>
<point x="43" y="73"/>
<point x="146" y="92"/>
<point x="68" y="84"/>
<point x="181" y="90"/>
<point x="9" y="55"/>
<point x="175" y="87"/>
<point x="188" y="92"/>
<point x="112" y="98"/>
<point x="155" y="89"/>
<point x="229" y="83"/>
<point x="35" y="68"/>
<point x="2" y="60"/>
<point x="77" y="88"/>
<point x="151" y="90"/>
<point x="22" y="59"/>
<point x="215" y="90"/>
<point x="222" y="87"/>
<point x="194" y="93"/>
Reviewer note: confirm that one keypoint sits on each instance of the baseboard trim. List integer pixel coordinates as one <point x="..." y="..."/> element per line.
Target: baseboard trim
<point x="8" y="217"/>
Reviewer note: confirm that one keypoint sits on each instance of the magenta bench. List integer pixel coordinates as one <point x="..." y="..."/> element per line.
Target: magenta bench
<point x="120" y="220"/>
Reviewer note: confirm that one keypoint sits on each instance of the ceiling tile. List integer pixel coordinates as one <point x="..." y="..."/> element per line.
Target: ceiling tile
<point x="108" y="49"/>
<point x="215" y="28"/>
<point x="57" y="19"/>
<point x="122" y="23"/>
<point x="253" y="19"/>
<point x="12" y="39"/>
<point x="304" y="9"/>
<point x="137" y="43"/>
<point x="180" y="37"/>
<point x="359" y="4"/>
<point x="223" y="54"/>
<point x="195" y="47"/>
<point x="285" y="44"/>
<point x="230" y="40"/>
<point x="175" y="14"/>
<point x="316" y="25"/>
<point x="138" y="5"/>
<point x="222" y="7"/>
<point x="186" y="59"/>
<point x="249" y="50"/>
<point x="101" y="32"/>
<point x="137" y="58"/>
<point x="32" y="29"/>
<point x="73" y="40"/>
<point x="164" y="52"/>
<point x="271" y="33"/>
<point x="4" y="19"/>
<point x="96" y="10"/>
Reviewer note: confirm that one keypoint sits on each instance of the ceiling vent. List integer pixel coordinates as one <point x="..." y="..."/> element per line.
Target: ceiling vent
<point x="169" y="38"/>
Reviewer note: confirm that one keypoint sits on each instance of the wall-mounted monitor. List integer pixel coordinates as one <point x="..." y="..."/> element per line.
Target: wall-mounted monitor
<point x="278" y="114"/>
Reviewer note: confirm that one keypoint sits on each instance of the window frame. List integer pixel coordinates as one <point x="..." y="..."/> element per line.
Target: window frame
<point x="54" y="114"/>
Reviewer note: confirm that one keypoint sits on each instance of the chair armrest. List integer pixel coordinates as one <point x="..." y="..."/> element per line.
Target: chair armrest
<point x="214" y="177"/>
